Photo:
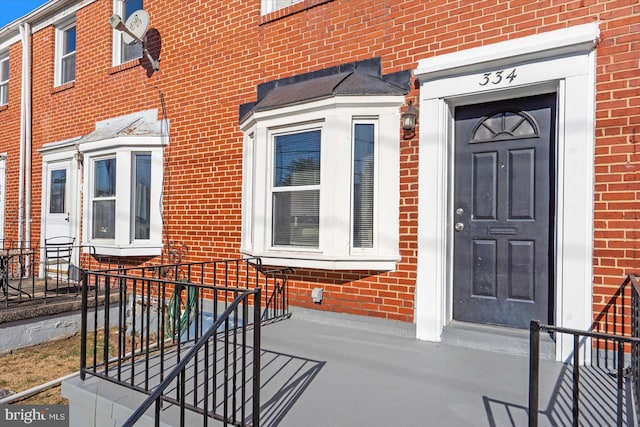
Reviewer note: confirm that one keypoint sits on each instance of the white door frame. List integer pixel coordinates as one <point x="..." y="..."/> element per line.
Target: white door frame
<point x="65" y="151"/>
<point x="561" y="61"/>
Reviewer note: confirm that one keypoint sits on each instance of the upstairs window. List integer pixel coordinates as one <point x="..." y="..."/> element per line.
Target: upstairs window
<point x="65" y="71"/>
<point x="271" y="5"/>
<point x="4" y="79"/>
<point x="124" y="52"/>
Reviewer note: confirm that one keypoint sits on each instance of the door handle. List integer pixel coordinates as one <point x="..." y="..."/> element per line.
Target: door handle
<point x="459" y="226"/>
<point x="67" y="218"/>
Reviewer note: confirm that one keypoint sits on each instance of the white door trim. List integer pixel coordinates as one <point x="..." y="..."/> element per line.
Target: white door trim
<point x="561" y="61"/>
<point x="63" y="151"/>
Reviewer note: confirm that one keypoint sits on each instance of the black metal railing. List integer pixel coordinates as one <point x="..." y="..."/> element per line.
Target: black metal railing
<point x="612" y="347"/>
<point x="139" y="322"/>
<point x="635" y="347"/>
<point x="201" y="363"/>
<point x="36" y="274"/>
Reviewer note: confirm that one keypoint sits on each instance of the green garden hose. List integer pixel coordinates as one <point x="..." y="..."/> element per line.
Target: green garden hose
<point x="177" y="305"/>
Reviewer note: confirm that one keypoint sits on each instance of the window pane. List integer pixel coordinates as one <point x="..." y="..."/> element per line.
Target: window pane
<point x="142" y="196"/>
<point x="4" y="69"/>
<point x="68" y="68"/>
<point x="105" y="178"/>
<point x="69" y="43"/>
<point x="363" y="181"/>
<point x="131" y="51"/>
<point x="4" y="79"/>
<point x="104" y="219"/>
<point x="295" y="218"/>
<point x="4" y="93"/>
<point x="297" y="159"/>
<point x="58" y="186"/>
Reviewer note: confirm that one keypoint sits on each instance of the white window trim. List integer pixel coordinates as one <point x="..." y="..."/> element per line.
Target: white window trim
<point x="336" y="117"/>
<point x="273" y="189"/>
<point x="269" y="6"/>
<point x="376" y="179"/>
<point x="5" y="57"/>
<point x="123" y="149"/>
<point x="117" y="37"/>
<point x="60" y="30"/>
<point x="561" y="61"/>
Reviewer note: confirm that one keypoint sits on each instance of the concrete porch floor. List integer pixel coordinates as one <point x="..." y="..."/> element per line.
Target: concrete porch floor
<point x="316" y="374"/>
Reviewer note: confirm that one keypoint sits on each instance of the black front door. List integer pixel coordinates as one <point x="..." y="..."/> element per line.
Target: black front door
<point x="504" y="187"/>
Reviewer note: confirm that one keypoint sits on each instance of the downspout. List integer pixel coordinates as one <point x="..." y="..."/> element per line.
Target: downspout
<point x="24" y="195"/>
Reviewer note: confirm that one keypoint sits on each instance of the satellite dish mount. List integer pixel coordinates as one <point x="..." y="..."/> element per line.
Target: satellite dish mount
<point x="134" y="30"/>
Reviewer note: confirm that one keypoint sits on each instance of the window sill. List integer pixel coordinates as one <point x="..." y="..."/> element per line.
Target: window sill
<point x="290" y="10"/>
<point x="300" y="260"/>
<point x="63" y="87"/>
<point x="125" y="66"/>
<point x="4" y="107"/>
<point x="96" y="248"/>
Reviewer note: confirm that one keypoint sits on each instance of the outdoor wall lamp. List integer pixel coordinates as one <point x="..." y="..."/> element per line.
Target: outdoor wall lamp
<point x="409" y="120"/>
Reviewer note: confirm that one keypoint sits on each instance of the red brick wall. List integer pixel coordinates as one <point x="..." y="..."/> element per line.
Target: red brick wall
<point x="213" y="54"/>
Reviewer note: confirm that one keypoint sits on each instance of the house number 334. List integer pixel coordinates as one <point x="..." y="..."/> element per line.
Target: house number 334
<point x="496" y="77"/>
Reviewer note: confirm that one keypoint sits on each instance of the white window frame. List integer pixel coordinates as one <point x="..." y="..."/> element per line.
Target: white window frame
<point x="4" y="84"/>
<point x="269" y="6"/>
<point x="61" y="29"/>
<point x="273" y="189"/>
<point x="118" y="9"/>
<point x="374" y="122"/>
<point x="92" y="193"/>
<point x="335" y="117"/>
<point x="124" y="150"/>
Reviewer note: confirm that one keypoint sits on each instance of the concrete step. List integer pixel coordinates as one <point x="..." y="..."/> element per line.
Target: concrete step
<point x="495" y="338"/>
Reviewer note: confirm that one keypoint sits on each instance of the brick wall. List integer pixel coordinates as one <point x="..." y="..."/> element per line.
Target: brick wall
<point x="213" y="54"/>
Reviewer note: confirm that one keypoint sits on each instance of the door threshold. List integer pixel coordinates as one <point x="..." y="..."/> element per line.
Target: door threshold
<point x="495" y="338"/>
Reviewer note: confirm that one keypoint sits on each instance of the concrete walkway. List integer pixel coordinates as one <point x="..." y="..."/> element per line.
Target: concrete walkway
<point x="318" y="374"/>
<point x="321" y="375"/>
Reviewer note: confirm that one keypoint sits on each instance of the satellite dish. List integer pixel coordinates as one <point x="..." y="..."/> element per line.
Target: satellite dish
<point x="137" y="24"/>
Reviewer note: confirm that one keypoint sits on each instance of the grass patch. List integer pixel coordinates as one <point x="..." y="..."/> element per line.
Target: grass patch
<point x="28" y="367"/>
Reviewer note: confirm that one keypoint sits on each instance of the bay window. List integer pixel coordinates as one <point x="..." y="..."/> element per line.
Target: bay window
<point x="321" y="183"/>
<point x="122" y="186"/>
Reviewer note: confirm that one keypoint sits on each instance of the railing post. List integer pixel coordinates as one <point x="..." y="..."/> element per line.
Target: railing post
<point x="256" y="357"/>
<point x="576" y="379"/>
<point x="534" y="371"/>
<point x="620" y="373"/>
<point x="83" y="325"/>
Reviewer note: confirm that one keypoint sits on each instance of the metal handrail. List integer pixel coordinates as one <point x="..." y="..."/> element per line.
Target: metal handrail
<point x="157" y="395"/>
<point x="619" y="341"/>
<point x="137" y="310"/>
